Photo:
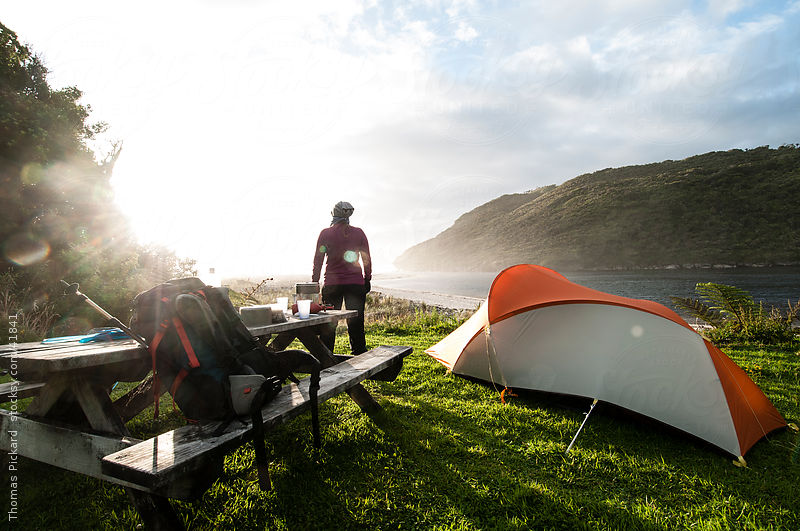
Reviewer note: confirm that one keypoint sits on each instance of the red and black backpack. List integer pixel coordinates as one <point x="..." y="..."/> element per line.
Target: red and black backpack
<point x="196" y="340"/>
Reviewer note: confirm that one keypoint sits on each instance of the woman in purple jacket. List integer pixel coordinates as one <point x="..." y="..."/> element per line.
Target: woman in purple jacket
<point x="343" y="245"/>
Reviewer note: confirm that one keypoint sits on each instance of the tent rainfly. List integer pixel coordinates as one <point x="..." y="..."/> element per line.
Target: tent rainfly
<point x="537" y="330"/>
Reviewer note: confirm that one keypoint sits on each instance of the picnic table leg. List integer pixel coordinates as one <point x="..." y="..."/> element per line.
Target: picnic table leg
<point x="97" y="407"/>
<point x="315" y="346"/>
<point x="48" y="396"/>
<point x="156" y="511"/>
<point x="137" y="399"/>
<point x="282" y="340"/>
<point x="310" y="339"/>
<point x="259" y="446"/>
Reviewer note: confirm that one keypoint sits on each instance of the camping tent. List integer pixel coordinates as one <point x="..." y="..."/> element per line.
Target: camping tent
<point x="537" y="330"/>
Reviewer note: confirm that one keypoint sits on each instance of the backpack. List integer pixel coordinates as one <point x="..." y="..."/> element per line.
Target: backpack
<point x="197" y="341"/>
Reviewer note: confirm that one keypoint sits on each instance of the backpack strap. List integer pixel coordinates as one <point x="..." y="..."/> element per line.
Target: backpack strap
<point x="265" y="393"/>
<point x="187" y="345"/>
<point x="193" y="309"/>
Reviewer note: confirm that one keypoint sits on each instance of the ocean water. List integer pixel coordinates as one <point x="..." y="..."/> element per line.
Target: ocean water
<point x="772" y="285"/>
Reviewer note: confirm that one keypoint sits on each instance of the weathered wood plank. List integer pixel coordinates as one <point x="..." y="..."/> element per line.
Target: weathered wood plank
<point x="70" y="347"/>
<point x="124" y="357"/>
<point x="137" y="399"/>
<point x="97" y="407"/>
<point x="294" y="323"/>
<point x="82" y="452"/>
<point x="16" y="347"/>
<point x="357" y="392"/>
<point x="168" y="457"/>
<point x="48" y="396"/>
<point x="387" y="375"/>
<point x="65" y="448"/>
<point x="19" y="390"/>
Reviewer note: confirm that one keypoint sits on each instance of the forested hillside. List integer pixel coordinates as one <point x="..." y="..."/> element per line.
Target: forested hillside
<point x="735" y="207"/>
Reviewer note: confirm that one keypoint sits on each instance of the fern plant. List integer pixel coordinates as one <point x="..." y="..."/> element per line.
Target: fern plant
<point x="700" y="310"/>
<point x="729" y="301"/>
<point x="734" y="315"/>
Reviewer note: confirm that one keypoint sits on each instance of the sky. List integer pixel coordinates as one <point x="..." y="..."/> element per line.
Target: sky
<point x="243" y="122"/>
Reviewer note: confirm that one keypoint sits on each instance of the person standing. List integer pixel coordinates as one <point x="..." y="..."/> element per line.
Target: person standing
<point x="348" y="271"/>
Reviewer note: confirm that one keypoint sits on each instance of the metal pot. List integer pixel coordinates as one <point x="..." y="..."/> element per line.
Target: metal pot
<point x="307" y="290"/>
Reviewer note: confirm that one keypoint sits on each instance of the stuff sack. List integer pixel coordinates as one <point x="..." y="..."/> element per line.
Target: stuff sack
<point x="197" y="341"/>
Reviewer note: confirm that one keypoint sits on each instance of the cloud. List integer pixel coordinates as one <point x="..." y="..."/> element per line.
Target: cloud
<point x="466" y="32"/>
<point x="647" y="89"/>
<point x="417" y="112"/>
<point x="723" y="8"/>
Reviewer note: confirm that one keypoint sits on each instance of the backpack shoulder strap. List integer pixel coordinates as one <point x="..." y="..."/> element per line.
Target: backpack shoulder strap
<point x="195" y="311"/>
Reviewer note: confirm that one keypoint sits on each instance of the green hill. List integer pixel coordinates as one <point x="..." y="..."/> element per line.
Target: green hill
<point x="735" y="207"/>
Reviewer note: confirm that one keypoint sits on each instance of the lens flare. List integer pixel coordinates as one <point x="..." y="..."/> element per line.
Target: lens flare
<point x="350" y="256"/>
<point x="32" y="174"/>
<point x="25" y="249"/>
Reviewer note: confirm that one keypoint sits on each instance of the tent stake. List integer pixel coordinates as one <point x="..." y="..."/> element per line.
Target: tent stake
<point x="581" y="427"/>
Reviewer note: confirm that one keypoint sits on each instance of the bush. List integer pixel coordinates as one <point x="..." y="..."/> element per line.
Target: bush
<point x="32" y="317"/>
<point x="404" y="317"/>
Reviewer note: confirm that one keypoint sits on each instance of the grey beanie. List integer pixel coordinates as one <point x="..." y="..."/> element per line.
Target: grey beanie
<point x="341" y="212"/>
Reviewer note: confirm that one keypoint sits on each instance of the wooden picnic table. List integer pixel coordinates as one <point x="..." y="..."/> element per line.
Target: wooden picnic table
<point x="96" y="441"/>
<point x="50" y="431"/>
<point x="307" y="331"/>
<point x="82" y="372"/>
<point x="86" y="371"/>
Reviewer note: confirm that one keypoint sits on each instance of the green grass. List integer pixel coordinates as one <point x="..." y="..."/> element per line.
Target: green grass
<point x="446" y="454"/>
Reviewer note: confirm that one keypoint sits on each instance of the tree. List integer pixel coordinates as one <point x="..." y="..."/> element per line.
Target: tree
<point x="52" y="191"/>
<point x="58" y="218"/>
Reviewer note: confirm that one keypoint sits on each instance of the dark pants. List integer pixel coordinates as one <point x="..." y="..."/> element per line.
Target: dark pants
<point x="354" y="298"/>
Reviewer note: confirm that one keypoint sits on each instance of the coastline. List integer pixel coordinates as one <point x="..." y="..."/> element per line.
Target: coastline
<point x="442" y="301"/>
<point x="460" y="303"/>
<point x="285" y="284"/>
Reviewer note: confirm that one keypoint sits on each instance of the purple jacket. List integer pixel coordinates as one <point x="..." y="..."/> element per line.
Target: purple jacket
<point x="342" y="243"/>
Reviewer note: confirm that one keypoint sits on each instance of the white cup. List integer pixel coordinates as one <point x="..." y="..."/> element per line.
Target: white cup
<point x="283" y="302"/>
<point x="303" y="308"/>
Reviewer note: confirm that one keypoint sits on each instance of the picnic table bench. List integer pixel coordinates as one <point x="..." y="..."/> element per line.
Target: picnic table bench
<point x="19" y="390"/>
<point x="159" y="462"/>
<point x="181" y="463"/>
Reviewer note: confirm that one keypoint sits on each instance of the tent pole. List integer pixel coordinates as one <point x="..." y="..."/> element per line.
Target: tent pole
<point x="594" y="403"/>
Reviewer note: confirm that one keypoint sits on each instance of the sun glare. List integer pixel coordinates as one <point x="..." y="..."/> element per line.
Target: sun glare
<point x="253" y="217"/>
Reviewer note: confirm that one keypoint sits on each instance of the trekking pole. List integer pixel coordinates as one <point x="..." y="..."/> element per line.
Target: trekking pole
<point x="581" y="427"/>
<point x="72" y="289"/>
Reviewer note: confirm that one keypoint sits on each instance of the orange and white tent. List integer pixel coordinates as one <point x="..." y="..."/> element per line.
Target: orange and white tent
<point x="537" y="330"/>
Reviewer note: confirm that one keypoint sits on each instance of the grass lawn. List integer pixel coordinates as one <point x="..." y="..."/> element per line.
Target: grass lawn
<point x="446" y="454"/>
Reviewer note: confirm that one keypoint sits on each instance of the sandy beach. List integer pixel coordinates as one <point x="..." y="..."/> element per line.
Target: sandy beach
<point x="440" y="300"/>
